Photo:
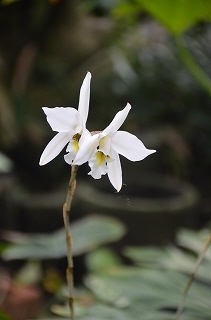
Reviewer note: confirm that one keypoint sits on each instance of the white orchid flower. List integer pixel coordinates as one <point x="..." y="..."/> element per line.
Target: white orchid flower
<point x="70" y="125"/>
<point x="102" y="150"/>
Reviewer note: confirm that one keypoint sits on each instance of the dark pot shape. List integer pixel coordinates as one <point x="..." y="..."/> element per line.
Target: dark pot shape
<point x="41" y="211"/>
<point x="152" y="207"/>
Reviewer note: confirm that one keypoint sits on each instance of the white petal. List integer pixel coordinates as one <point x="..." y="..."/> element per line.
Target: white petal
<point x="117" y="120"/>
<point x="85" y="137"/>
<point x="54" y="147"/>
<point x="83" y="105"/>
<point x="62" y="119"/>
<point x="105" y="145"/>
<point x="70" y="156"/>
<point x="130" y="146"/>
<point x="115" y="171"/>
<point x="98" y="168"/>
<point x="86" y="150"/>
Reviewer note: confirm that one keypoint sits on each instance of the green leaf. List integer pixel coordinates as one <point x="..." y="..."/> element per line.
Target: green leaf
<point x="3" y="316"/>
<point x="133" y="293"/>
<point x="154" y="290"/>
<point x="194" y="240"/>
<point x="94" y="312"/>
<point x="87" y="234"/>
<point x="130" y="284"/>
<point x="178" y="15"/>
<point x="170" y="258"/>
<point x="146" y="255"/>
<point x="93" y="231"/>
<point x="101" y="259"/>
<point x="128" y="11"/>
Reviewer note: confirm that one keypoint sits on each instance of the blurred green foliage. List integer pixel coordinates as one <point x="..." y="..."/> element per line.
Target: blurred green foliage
<point x="88" y="233"/>
<point x="4" y="316"/>
<point x="154" y="287"/>
<point x="176" y="15"/>
<point x="150" y="287"/>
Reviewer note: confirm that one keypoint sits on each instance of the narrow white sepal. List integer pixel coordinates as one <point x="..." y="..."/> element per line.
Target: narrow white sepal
<point x="54" y="147"/>
<point x="84" y="97"/>
<point x="117" y="120"/>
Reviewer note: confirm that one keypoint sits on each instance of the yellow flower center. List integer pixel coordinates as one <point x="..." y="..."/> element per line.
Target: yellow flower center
<point x="76" y="138"/>
<point x="101" y="157"/>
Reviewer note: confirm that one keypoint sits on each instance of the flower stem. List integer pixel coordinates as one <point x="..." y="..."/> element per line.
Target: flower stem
<point x="66" y="217"/>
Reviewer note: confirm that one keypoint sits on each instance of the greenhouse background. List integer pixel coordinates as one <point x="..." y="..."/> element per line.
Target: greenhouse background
<point x="134" y="250"/>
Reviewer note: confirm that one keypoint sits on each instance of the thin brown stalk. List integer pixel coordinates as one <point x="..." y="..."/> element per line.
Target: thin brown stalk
<point x="66" y="217"/>
<point x="192" y="277"/>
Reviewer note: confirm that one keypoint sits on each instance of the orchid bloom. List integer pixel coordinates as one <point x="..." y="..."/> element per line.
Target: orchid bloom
<point x="70" y="125"/>
<point x="102" y="150"/>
